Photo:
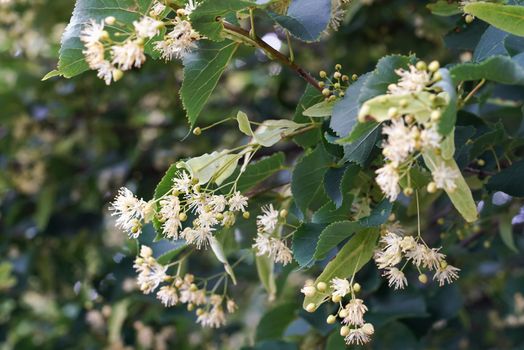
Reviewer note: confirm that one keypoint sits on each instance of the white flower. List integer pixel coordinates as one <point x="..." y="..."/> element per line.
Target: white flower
<point x="207" y="219"/>
<point x="147" y="27"/>
<point x="130" y="210"/>
<point x="218" y="203"/>
<point x="445" y="177"/>
<point x="94" y="55"/>
<point x="430" y="138"/>
<point x="237" y="202"/>
<point x="267" y="222"/>
<point x="214" y="318"/>
<point x="198" y="236"/>
<point x="355" y="312"/>
<point x="263" y="245"/>
<point x="157" y="9"/>
<point x="357" y="336"/>
<point x="150" y="272"/>
<point x="282" y="254"/>
<point x="408" y="243"/>
<point x="340" y="286"/>
<point x="432" y="258"/>
<point x="387" y="179"/>
<point x="231" y="306"/>
<point x="169" y="207"/>
<point x="106" y="72"/>
<point x="401" y="141"/>
<point x="417" y="254"/>
<point x="396" y="278"/>
<point x="182" y="182"/>
<point x="190" y="7"/>
<point x="448" y="274"/>
<point x="167" y="296"/>
<point x="128" y="55"/>
<point x="178" y="42"/>
<point x="412" y="80"/>
<point x="171" y="226"/>
<point x="92" y="33"/>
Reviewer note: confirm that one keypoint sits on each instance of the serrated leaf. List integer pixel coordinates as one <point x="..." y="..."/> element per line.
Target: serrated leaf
<point x="509" y="180"/>
<point x="202" y="70"/>
<point x="166" y="183"/>
<point x="345" y="111"/>
<point x="71" y="60"/>
<point x="204" y="17"/>
<point x="305" y="240"/>
<point x="307" y="177"/>
<point x="379" y="214"/>
<point x="444" y="8"/>
<point x="500" y="69"/>
<point x="509" y="18"/>
<point x="332" y="181"/>
<point x="359" y="150"/>
<point x="349" y="260"/>
<point x="305" y="19"/>
<point x="461" y="197"/>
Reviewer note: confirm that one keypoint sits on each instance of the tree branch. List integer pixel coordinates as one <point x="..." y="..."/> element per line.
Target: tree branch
<point x="271" y="52"/>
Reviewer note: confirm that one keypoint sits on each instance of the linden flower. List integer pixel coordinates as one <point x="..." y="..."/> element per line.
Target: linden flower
<point x="128" y="55"/>
<point x="391" y="253"/>
<point x="396" y="278"/>
<point x="150" y="272"/>
<point x="417" y="254"/>
<point x="387" y="179"/>
<point x="267" y="222"/>
<point x="412" y="80"/>
<point x="157" y="9"/>
<point x="448" y="274"/>
<point x="282" y="254"/>
<point x="92" y="33"/>
<point x="356" y="310"/>
<point x="401" y="141"/>
<point x="341" y="287"/>
<point x="213" y="319"/>
<point x="179" y="42"/>
<point x="199" y="236"/>
<point x="182" y="182"/>
<point x="357" y="336"/>
<point x="94" y="55"/>
<point x="130" y="211"/>
<point x="238" y="202"/>
<point x="430" y="138"/>
<point x="444" y="177"/>
<point x="106" y="71"/>
<point x="147" y="27"/>
<point x="168" y="296"/>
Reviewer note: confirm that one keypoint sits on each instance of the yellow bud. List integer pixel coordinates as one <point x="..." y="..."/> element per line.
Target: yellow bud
<point x="421" y="65"/>
<point x="345" y="78"/>
<point x="336" y="85"/>
<point x="326" y="92"/>
<point x="432" y="187"/>
<point x="331" y="319"/>
<point x="341" y="94"/>
<point x="336" y="298"/>
<point x="408" y="191"/>
<point x="435" y="115"/>
<point x="197" y="131"/>
<point x="354" y="77"/>
<point x="356" y="287"/>
<point x="311" y="307"/>
<point x="434" y="66"/>
<point x="423" y="278"/>
<point x="321" y="84"/>
<point x="368" y="329"/>
<point x="110" y="20"/>
<point x="321" y="286"/>
<point x="309" y="291"/>
<point x="344" y="331"/>
<point x="440" y="221"/>
<point x="409" y="119"/>
<point x="199" y="311"/>
<point x="343" y="313"/>
<point x="190" y="307"/>
<point x="469" y="19"/>
<point x="443" y="264"/>
<point x="104" y="35"/>
<point x="332" y="98"/>
<point x="481" y="162"/>
<point x="322" y="74"/>
<point x="392" y="112"/>
<point x="437" y="76"/>
<point x="487" y="244"/>
<point x="193" y="287"/>
<point x="246" y="215"/>
<point x="182" y="217"/>
<point x="338" y="66"/>
<point x="219" y="216"/>
<point x="337" y="75"/>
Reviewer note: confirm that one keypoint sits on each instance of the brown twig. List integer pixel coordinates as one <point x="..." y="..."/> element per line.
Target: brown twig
<point x="271" y="52"/>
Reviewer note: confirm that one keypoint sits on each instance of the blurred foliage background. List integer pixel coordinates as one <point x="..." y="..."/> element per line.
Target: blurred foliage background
<point x="66" y="146"/>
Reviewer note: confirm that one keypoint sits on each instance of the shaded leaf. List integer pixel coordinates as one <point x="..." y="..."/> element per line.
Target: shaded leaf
<point x="509" y="18"/>
<point x="500" y="69"/>
<point x="509" y="180"/>
<point x="274" y="322"/>
<point x="305" y="242"/>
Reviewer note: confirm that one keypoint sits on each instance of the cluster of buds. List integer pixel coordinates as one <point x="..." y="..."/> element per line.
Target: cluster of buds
<point x="209" y="307"/>
<point x="268" y="241"/>
<point x="336" y="85"/>
<point x="354" y="329"/>
<point x="110" y="56"/>
<point x="393" y="248"/>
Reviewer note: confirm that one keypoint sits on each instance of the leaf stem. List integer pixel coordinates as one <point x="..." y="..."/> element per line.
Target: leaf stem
<point x="270" y="52"/>
<point x="474" y="91"/>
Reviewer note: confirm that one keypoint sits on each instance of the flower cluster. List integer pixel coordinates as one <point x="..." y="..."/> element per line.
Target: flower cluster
<point x="393" y="248"/>
<point x="268" y="241"/>
<point x="406" y="136"/>
<point x="188" y="198"/>
<point x="111" y="56"/>
<point x="181" y="290"/>
<point x="132" y="212"/>
<point x="354" y="328"/>
<point x="334" y="86"/>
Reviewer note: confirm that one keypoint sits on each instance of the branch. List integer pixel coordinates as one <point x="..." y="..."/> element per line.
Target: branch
<point x="270" y="52"/>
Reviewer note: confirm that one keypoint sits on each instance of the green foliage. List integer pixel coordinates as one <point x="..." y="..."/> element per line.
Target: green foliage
<point x="509" y="18"/>
<point x="500" y="69"/>
<point x="508" y="180"/>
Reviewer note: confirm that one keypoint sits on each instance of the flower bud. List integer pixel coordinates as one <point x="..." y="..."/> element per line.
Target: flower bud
<point x="408" y="191"/>
<point x="321" y="286"/>
<point x="110" y="20"/>
<point x="469" y="19"/>
<point x="423" y="278"/>
<point x="344" y="331"/>
<point x="322" y="74"/>
<point x="354" y="77"/>
<point x="321" y="84"/>
<point x="199" y="311"/>
<point x="336" y="298"/>
<point x="435" y="115"/>
<point x="338" y="66"/>
<point x="182" y="217"/>
<point x="326" y="92"/>
<point x="434" y="66"/>
<point x="331" y="319"/>
<point x="368" y="329"/>
<point x="421" y="65"/>
<point x="481" y="162"/>
<point x="246" y="215"/>
<point x="337" y="75"/>
<point x="283" y="213"/>
<point x="309" y="291"/>
<point x="197" y="131"/>
<point x="432" y="187"/>
<point x="392" y="112"/>
<point x="356" y="287"/>
<point x="311" y="307"/>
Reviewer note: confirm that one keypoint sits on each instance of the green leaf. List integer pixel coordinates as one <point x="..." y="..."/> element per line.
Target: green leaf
<point x="321" y="109"/>
<point x="310" y="97"/>
<point x="334" y="234"/>
<point x="500" y="69"/>
<point x="491" y="43"/>
<point x="509" y="18"/>
<point x="509" y="180"/>
<point x="202" y="70"/>
<point x="260" y="170"/>
<point x="345" y="111"/>
<point x="349" y="260"/>
<point x="461" y="197"/>
<point x="332" y="181"/>
<point x="306" y="181"/>
<point x="204" y="17"/>
<point x="506" y="232"/>
<point x="359" y="150"/>
<point x="449" y="113"/>
<point x="44" y="206"/>
<point x="265" y="267"/>
<point x="305" y="19"/>
<point x="214" y="167"/>
<point x="71" y="60"/>
<point x="305" y="240"/>
<point x="444" y="8"/>
<point x="379" y="214"/>
<point x="269" y="132"/>
<point x="175" y="248"/>
<point x="166" y="183"/>
<point x="274" y="322"/>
